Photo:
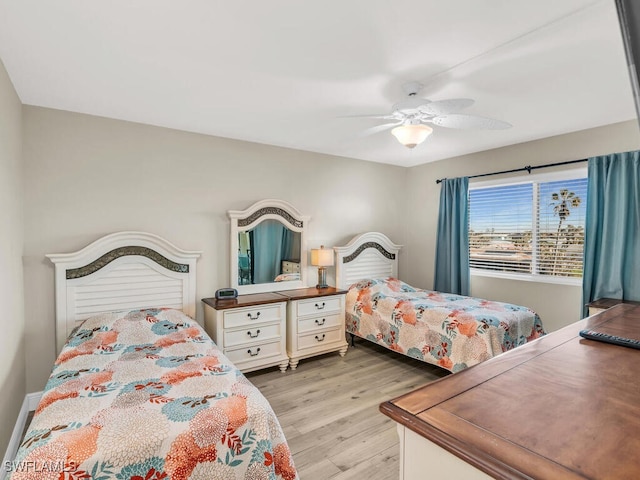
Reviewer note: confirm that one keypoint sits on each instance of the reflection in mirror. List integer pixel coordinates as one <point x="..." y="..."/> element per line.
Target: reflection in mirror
<point x="269" y="252"/>
<point x="268" y="247"/>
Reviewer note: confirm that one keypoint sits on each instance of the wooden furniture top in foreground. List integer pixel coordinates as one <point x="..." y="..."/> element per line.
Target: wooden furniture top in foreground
<point x="560" y="407"/>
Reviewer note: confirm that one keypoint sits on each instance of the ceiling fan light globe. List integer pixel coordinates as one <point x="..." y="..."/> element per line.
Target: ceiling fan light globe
<point x="411" y="135"/>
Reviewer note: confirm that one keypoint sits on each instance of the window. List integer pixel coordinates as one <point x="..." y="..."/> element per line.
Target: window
<point x="534" y="228"/>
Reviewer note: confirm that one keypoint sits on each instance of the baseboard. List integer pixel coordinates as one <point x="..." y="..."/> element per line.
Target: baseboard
<point x="29" y="404"/>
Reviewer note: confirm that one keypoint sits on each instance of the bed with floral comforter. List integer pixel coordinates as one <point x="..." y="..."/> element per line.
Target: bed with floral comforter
<point x="147" y="395"/>
<point x="451" y="331"/>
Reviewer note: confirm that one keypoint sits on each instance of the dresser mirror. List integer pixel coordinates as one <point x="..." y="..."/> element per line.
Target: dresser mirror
<point x="268" y="247"/>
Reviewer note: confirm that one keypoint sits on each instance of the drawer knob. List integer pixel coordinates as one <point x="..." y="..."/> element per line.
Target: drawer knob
<point x="253" y="354"/>
<point x="319" y="339"/>
<point x="320" y="307"/>
<point x="320" y="322"/>
<point x="252" y="335"/>
<point x="251" y="317"/>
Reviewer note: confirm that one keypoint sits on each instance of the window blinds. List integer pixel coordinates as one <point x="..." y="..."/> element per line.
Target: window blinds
<point x="532" y="228"/>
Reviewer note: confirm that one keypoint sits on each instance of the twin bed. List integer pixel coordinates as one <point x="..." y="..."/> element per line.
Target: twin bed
<point x="138" y="389"/>
<point x="451" y="331"/>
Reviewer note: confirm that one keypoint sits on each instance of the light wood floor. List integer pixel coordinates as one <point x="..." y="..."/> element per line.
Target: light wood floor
<point x="328" y="409"/>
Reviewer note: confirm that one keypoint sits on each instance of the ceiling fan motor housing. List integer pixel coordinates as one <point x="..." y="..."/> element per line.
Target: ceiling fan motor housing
<point x="410" y="106"/>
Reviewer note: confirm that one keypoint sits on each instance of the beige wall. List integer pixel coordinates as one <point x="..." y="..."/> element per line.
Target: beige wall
<point x="87" y="176"/>
<point x="557" y="305"/>
<point x="12" y="324"/>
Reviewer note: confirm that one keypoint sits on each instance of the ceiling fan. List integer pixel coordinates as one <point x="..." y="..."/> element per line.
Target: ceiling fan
<point x="410" y="118"/>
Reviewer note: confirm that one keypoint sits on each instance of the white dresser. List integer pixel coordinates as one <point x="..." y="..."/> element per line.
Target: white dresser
<point x="315" y="322"/>
<point x="250" y="330"/>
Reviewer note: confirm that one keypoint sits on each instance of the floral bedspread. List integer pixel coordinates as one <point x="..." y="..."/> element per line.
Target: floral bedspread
<point x="147" y="395"/>
<point x="451" y="331"/>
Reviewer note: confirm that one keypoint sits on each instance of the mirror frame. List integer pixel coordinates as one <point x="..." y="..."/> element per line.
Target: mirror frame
<point x="244" y="220"/>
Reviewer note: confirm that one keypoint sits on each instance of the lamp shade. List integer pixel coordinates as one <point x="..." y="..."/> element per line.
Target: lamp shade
<point x="411" y="135"/>
<point x="321" y="257"/>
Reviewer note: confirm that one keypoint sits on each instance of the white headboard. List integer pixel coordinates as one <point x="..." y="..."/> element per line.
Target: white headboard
<point x="124" y="270"/>
<point x="369" y="255"/>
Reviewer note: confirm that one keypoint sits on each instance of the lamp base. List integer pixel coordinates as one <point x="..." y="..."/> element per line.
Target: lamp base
<point x="322" y="278"/>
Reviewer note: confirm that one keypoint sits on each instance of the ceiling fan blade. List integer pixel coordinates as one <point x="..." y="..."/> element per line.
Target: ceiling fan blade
<point x="469" y="122"/>
<point x="444" y="107"/>
<point x="379" y="128"/>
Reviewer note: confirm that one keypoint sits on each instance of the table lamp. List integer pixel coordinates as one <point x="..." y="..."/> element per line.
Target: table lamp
<point x="322" y="258"/>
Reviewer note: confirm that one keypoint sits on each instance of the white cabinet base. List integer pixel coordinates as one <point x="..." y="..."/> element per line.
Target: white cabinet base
<point x="421" y="458"/>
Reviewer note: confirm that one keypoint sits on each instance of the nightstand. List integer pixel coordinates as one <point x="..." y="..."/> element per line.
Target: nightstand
<point x="315" y="322"/>
<point x="602" y="304"/>
<point x="250" y="330"/>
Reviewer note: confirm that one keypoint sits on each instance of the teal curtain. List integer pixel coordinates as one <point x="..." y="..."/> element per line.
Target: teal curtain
<point x="452" y="245"/>
<point x="290" y="245"/>
<point x="612" y="230"/>
<point x="267" y="250"/>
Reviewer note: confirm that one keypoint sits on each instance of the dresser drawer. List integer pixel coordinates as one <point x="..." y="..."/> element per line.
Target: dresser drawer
<point x="255" y="352"/>
<point x="319" y="306"/>
<point x="241" y="317"/>
<point x="320" y="339"/>
<point x="252" y="334"/>
<point x="310" y="324"/>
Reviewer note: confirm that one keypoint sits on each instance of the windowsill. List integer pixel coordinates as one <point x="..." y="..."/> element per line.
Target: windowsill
<point x="527" y="277"/>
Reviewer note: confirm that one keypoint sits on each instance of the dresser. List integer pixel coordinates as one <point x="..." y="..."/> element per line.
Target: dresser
<point x="250" y="329"/>
<point x="280" y="328"/>
<point x="560" y="407"/>
<point x="315" y="322"/>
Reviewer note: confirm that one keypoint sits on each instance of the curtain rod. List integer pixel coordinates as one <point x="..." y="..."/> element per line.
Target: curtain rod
<point x="528" y="169"/>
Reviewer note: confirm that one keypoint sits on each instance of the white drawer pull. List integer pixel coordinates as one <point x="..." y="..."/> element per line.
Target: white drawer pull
<point x="320" y="307"/>
<point x="320" y="322"/>
<point x="253" y="318"/>
<point x="319" y="339"/>
<point x="251" y="335"/>
<point x="253" y="354"/>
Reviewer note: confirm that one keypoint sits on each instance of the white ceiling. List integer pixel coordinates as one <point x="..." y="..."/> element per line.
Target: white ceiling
<point x="287" y="72"/>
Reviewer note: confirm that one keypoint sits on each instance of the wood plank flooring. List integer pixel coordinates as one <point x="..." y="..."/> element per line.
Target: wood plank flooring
<point x="328" y="409"/>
